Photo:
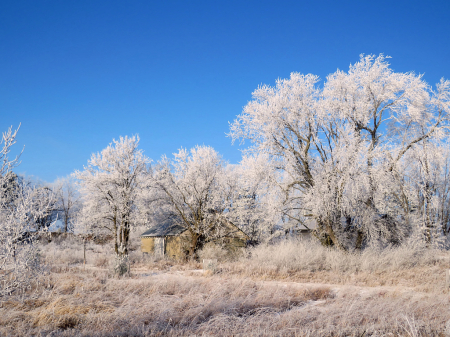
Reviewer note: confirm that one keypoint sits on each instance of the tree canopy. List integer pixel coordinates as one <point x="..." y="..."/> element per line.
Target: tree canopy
<point x="356" y="152"/>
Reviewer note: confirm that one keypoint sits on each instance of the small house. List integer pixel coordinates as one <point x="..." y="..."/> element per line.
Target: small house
<point x="165" y="239"/>
<point x="173" y="240"/>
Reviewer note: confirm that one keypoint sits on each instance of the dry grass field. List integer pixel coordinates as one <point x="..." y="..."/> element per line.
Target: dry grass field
<point x="292" y="288"/>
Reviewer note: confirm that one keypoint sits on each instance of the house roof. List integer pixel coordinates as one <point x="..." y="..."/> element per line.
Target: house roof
<point x="167" y="228"/>
<point x="229" y="223"/>
<point x="171" y="228"/>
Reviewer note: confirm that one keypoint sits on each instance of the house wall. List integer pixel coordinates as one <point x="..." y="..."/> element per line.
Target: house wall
<point x="174" y="246"/>
<point x="177" y="246"/>
<point x="148" y="245"/>
<point x="236" y="243"/>
<point x="160" y="245"/>
<point x="236" y="240"/>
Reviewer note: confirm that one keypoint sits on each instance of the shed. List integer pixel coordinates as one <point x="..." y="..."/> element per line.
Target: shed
<point x="167" y="238"/>
<point x="173" y="240"/>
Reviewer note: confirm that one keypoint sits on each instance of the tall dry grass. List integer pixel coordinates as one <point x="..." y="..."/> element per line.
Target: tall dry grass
<point x="310" y="255"/>
<point x="248" y="297"/>
<point x="88" y="303"/>
<point x="307" y="261"/>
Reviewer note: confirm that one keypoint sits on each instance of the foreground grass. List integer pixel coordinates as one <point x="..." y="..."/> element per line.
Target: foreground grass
<point x="398" y="292"/>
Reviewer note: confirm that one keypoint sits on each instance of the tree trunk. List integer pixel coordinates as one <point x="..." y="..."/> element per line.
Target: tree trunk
<point x="116" y="243"/>
<point x="84" y="253"/>
<point x="126" y="237"/>
<point x="359" y="239"/>
<point x="194" y="242"/>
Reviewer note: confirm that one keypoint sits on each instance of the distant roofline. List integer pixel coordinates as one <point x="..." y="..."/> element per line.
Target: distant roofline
<point x="179" y="229"/>
<point x="160" y="236"/>
<point x="164" y="229"/>
<point x="232" y="224"/>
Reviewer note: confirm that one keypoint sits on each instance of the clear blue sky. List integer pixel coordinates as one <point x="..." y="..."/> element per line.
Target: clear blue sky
<point x="77" y="74"/>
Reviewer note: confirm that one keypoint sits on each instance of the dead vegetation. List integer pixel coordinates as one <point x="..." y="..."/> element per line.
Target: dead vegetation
<point x="414" y="266"/>
<point x="317" y="292"/>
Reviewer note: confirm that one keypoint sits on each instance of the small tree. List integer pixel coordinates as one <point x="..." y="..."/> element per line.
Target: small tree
<point x="82" y="229"/>
<point x="67" y="198"/>
<point x="44" y="202"/>
<point x="111" y="185"/>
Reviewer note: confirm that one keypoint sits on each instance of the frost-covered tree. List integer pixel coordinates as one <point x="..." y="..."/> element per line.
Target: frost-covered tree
<point x="20" y="211"/>
<point x="185" y="189"/>
<point x="194" y="190"/>
<point x="341" y="147"/>
<point x="67" y="199"/>
<point x="255" y="203"/>
<point x="198" y="190"/>
<point x="426" y="189"/>
<point x="111" y="185"/>
<point x="43" y="198"/>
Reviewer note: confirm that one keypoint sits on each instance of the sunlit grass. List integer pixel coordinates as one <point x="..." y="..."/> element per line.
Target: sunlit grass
<point x="396" y="292"/>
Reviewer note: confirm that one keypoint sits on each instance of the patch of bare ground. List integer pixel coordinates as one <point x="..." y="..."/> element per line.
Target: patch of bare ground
<point x="250" y="297"/>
